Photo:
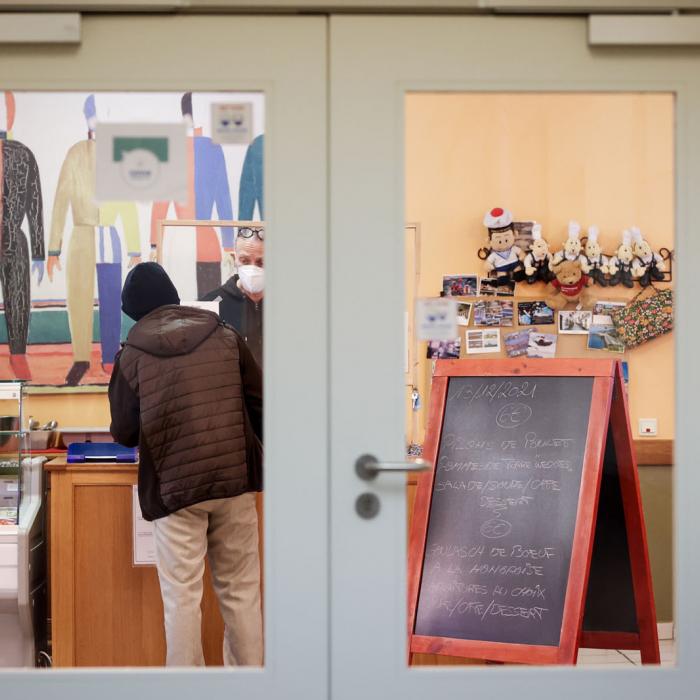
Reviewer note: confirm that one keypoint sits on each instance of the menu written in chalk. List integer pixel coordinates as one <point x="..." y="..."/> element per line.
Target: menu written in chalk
<point x="503" y="509"/>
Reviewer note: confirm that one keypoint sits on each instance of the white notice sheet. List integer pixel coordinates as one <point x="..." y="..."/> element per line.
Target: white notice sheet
<point x="144" y="543"/>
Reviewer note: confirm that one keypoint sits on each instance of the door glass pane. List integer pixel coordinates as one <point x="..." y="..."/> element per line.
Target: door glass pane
<point x="545" y="222"/>
<point x="103" y="573"/>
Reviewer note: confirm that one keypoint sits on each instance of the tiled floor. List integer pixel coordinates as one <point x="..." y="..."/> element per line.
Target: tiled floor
<point x="608" y="657"/>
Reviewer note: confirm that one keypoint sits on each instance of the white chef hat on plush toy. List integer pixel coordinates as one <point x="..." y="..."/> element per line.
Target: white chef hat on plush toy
<point x="574" y="229"/>
<point x="636" y="234"/>
<point x="626" y="238"/>
<point x="498" y="219"/>
<point x="593" y="234"/>
<point x="536" y="232"/>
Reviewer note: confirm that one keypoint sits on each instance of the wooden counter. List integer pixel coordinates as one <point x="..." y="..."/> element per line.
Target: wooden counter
<point x="104" y="610"/>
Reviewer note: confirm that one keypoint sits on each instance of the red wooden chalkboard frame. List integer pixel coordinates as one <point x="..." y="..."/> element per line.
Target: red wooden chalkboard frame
<point x="608" y="407"/>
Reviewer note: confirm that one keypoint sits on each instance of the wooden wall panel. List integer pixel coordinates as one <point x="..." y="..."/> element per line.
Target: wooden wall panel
<point x="105" y="611"/>
<point x="118" y="608"/>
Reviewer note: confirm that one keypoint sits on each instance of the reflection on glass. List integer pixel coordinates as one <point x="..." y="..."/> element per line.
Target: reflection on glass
<point x="548" y="220"/>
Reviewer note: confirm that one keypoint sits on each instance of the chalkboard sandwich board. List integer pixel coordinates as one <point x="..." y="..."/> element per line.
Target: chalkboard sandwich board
<point x="527" y="539"/>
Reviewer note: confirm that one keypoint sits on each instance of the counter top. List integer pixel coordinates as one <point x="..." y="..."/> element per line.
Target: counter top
<point x="61" y="464"/>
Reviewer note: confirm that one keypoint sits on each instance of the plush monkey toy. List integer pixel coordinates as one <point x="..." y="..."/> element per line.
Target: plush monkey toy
<point x="572" y="248"/>
<point x="569" y="285"/>
<point x="538" y="259"/>
<point x="647" y="265"/>
<point x="596" y="262"/>
<point x="620" y="265"/>
<point x="504" y="258"/>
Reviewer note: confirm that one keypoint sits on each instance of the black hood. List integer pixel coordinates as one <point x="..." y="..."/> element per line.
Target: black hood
<point x="147" y="287"/>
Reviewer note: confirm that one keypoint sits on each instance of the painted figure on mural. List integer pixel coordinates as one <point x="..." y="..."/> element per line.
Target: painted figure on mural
<point x="207" y="187"/>
<point x="94" y="245"/>
<point x="251" y="189"/>
<point x="20" y="199"/>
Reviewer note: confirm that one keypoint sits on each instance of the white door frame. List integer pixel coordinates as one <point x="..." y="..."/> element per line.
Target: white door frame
<point x="286" y="58"/>
<point x="374" y="62"/>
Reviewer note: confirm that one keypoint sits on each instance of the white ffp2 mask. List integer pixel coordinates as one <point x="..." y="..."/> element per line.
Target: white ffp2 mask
<point x="252" y="278"/>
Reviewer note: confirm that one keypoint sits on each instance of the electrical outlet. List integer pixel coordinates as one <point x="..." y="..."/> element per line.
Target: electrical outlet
<point x="648" y="427"/>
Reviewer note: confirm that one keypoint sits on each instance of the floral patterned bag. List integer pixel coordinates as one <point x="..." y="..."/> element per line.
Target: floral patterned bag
<point x="644" y="319"/>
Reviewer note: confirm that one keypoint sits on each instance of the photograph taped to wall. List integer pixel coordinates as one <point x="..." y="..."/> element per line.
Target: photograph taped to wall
<point x="602" y="335"/>
<point x="517" y="343"/>
<point x="492" y="287"/>
<point x="493" y="313"/>
<point x="65" y="336"/>
<point x="464" y="312"/>
<point x="606" y="307"/>
<point x="576" y="322"/>
<point x="542" y="345"/>
<point x="535" y="313"/>
<point x="483" y="341"/>
<point x="444" y="349"/>
<point x="460" y="285"/>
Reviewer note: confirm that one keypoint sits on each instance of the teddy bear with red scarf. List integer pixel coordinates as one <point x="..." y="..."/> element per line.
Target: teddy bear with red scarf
<point x="569" y="286"/>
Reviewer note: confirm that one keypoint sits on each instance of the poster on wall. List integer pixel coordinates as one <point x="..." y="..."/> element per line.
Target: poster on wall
<point x="141" y="162"/>
<point x="66" y="250"/>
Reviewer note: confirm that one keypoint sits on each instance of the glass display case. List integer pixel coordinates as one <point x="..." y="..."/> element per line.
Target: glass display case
<point x="14" y="446"/>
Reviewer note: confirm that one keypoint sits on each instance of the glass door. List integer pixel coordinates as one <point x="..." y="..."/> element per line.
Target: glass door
<point x="470" y="142"/>
<point x="216" y="87"/>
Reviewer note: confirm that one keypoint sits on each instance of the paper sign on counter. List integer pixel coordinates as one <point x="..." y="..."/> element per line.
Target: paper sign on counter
<point x="144" y="541"/>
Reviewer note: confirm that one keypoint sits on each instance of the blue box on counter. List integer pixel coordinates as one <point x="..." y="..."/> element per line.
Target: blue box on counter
<point x="100" y="452"/>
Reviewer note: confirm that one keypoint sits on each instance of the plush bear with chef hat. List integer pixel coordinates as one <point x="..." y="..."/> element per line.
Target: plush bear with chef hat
<point x="504" y="259"/>
<point x="596" y="262"/>
<point x="537" y="260"/>
<point x="572" y="248"/>
<point x="647" y="265"/>
<point x="620" y="265"/>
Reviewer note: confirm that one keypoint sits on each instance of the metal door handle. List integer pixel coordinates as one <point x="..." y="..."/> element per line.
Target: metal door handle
<point x="367" y="467"/>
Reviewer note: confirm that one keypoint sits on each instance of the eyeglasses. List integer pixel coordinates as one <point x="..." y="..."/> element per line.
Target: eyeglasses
<point x="247" y="232"/>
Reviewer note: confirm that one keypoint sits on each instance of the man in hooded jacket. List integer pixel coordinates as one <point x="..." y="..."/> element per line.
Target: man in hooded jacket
<point x="186" y="389"/>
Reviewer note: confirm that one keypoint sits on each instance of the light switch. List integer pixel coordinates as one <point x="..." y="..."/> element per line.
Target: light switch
<point x="648" y="427"/>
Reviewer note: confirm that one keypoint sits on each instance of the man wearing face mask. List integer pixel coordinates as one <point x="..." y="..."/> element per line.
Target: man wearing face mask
<point x="241" y="296"/>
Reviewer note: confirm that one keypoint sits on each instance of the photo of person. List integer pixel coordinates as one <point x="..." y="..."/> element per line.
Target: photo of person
<point x="464" y="312"/>
<point x="483" y="341"/>
<point x="460" y="286"/>
<point x="602" y="335"/>
<point x="493" y="313"/>
<point x="531" y="313"/>
<point x="492" y="287"/>
<point x="575" y="322"/>
<point x="444" y="349"/>
<point x="542" y="345"/>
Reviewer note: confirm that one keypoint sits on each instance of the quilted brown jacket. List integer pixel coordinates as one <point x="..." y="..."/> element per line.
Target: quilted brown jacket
<point x="186" y="389"/>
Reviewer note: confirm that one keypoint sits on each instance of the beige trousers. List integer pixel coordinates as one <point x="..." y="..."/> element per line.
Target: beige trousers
<point x="227" y="531"/>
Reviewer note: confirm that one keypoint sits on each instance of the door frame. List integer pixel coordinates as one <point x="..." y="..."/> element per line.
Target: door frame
<point x="375" y="62"/>
<point x="289" y="66"/>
